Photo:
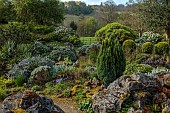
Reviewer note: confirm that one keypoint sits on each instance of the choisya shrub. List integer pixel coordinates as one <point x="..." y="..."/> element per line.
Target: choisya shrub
<point x="149" y="37"/>
<point x="111" y="60"/>
<point x="161" y="48"/>
<point x="129" y="45"/>
<point x="147" y="47"/>
<point x="119" y="31"/>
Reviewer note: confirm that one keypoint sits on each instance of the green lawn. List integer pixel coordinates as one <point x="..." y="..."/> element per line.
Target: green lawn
<point x="88" y="40"/>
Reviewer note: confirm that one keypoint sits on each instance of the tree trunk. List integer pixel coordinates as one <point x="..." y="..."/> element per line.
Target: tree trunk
<point x="168" y="39"/>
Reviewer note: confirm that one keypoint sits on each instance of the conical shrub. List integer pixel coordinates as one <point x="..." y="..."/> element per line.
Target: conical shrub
<point x="111" y="61"/>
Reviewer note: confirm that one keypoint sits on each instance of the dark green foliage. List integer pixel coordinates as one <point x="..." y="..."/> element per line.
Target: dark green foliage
<point x="60" y="53"/>
<point x="14" y="31"/>
<point x="162" y="48"/>
<point x="129" y="45"/>
<point x="7" y="11"/>
<point x="111" y="61"/>
<point x="73" y="25"/>
<point x="147" y="47"/>
<point x="119" y="31"/>
<point x="42" y="29"/>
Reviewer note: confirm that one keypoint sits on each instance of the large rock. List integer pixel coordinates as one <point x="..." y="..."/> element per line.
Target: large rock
<point x="30" y="102"/>
<point x="138" y="91"/>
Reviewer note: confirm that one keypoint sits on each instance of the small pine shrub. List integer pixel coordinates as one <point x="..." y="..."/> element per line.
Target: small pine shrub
<point x="36" y="88"/>
<point x="20" y="80"/>
<point x="161" y="48"/>
<point x="147" y="47"/>
<point x="129" y="45"/>
<point x="66" y="92"/>
<point x="111" y="61"/>
<point x="86" y="105"/>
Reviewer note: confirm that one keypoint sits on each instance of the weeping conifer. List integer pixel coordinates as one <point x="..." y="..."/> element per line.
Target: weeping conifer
<point x="111" y="61"/>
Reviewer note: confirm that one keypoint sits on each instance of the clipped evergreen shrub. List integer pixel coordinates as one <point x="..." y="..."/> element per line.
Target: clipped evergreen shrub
<point x="14" y="31"/>
<point x="147" y="47"/>
<point x="161" y="48"/>
<point x="111" y="61"/>
<point x="129" y="45"/>
<point x="119" y="31"/>
<point x="60" y="53"/>
<point x="39" y="49"/>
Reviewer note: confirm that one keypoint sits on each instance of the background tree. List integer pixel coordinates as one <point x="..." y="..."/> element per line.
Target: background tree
<point x="156" y="13"/>
<point x="131" y="17"/>
<point x="111" y="61"/>
<point x="77" y="8"/>
<point x="73" y="25"/>
<point x="107" y="11"/>
<point x="46" y="12"/>
<point x="87" y="26"/>
<point x="7" y="12"/>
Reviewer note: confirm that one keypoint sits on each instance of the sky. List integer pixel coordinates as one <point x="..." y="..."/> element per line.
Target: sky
<point x="97" y="2"/>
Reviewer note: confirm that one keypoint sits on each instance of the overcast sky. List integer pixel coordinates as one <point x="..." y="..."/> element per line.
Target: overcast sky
<point x="94" y="2"/>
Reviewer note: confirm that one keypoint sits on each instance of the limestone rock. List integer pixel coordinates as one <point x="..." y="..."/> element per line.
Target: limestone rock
<point x="139" y="91"/>
<point x="30" y="102"/>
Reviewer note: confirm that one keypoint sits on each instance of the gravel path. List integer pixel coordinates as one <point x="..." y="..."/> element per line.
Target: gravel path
<point x="67" y="105"/>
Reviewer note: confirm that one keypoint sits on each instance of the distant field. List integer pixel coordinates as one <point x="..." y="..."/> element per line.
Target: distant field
<point x="88" y="40"/>
<point x="69" y="18"/>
